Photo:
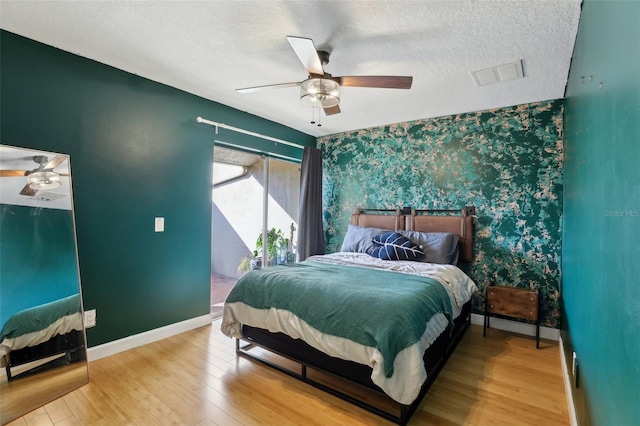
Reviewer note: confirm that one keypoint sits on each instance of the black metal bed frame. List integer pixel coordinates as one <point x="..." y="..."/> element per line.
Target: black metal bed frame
<point x="310" y="358"/>
<point x="69" y="346"/>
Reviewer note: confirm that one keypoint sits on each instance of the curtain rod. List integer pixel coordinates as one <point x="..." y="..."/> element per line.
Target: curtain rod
<point x="246" y="132"/>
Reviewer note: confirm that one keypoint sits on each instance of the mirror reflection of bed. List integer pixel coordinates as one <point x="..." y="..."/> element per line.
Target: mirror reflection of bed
<point x="42" y="340"/>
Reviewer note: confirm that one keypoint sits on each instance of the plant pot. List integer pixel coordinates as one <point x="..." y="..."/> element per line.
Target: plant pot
<point x="256" y="263"/>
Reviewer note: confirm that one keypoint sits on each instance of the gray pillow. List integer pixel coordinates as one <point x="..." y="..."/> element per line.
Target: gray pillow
<point x="438" y="247"/>
<point x="360" y="240"/>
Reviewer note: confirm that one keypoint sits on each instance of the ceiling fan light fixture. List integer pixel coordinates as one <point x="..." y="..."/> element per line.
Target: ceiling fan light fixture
<point x="43" y="180"/>
<point x="320" y="93"/>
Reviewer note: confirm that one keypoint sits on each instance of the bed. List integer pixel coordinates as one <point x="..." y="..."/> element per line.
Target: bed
<point x="383" y="314"/>
<point x="41" y="332"/>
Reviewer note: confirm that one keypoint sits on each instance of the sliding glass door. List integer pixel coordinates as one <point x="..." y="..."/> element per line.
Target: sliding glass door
<point x="282" y="201"/>
<point x="255" y="199"/>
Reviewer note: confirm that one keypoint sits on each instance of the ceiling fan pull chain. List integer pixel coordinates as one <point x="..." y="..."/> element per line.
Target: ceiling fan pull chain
<point x="313" y="120"/>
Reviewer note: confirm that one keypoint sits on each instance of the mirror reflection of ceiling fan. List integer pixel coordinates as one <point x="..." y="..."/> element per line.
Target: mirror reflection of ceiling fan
<point x="321" y="89"/>
<point x="42" y="177"/>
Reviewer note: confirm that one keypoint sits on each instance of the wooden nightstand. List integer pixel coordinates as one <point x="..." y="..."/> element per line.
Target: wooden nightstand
<point x="512" y="302"/>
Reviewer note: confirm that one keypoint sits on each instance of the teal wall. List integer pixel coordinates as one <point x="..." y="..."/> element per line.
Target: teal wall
<point x="137" y="152"/>
<point x="507" y="162"/>
<point x="602" y="213"/>
<point x="37" y="257"/>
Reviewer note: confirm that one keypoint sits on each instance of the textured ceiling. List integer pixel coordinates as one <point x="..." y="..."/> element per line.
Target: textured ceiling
<point x="210" y="48"/>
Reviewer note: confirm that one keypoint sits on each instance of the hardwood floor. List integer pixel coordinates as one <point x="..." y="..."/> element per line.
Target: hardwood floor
<point x="220" y="288"/>
<point x="195" y="378"/>
<point x="38" y="389"/>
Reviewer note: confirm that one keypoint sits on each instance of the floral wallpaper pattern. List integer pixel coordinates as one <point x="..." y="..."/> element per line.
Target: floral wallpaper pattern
<point x="507" y="162"/>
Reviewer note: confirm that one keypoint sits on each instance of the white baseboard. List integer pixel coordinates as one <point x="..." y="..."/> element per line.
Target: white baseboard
<point x="517" y="327"/>
<point x="568" y="389"/>
<point x="130" y="342"/>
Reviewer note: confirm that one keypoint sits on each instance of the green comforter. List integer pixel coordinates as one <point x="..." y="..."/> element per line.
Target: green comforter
<point x="39" y="317"/>
<point x="381" y="309"/>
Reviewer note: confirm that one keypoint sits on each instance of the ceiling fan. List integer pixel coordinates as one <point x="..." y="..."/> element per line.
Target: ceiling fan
<point x="321" y="89"/>
<point x="40" y="178"/>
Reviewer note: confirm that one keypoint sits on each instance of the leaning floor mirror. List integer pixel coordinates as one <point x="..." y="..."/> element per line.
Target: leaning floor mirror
<point x="42" y="340"/>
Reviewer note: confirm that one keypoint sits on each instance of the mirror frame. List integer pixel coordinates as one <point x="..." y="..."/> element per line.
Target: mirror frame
<point x="32" y="380"/>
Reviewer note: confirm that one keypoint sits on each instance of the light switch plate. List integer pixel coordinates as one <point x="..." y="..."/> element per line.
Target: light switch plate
<point x="159" y="224"/>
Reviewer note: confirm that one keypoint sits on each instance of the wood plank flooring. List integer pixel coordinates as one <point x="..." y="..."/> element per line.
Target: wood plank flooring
<point x="220" y="288"/>
<point x="195" y="378"/>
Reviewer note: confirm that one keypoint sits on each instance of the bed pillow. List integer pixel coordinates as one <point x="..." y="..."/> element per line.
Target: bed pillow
<point x="393" y="246"/>
<point x="360" y="239"/>
<point x="438" y="247"/>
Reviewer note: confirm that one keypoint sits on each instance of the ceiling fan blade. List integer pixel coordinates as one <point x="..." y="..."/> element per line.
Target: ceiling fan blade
<point x="57" y="160"/>
<point x="267" y="87"/>
<point x="332" y="110"/>
<point x="28" y="191"/>
<point x="13" y="173"/>
<point x="378" y="81"/>
<point x="306" y="51"/>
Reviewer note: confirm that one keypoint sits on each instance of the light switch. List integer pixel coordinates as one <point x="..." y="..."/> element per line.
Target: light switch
<point x="159" y="224"/>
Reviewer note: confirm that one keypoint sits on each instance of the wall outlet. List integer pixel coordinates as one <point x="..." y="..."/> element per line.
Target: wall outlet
<point x="90" y="318"/>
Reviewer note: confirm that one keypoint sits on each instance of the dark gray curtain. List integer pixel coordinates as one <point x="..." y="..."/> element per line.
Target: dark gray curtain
<point x="310" y="232"/>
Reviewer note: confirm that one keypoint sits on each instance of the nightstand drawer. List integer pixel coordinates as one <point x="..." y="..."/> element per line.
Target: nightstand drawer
<point x="513" y="302"/>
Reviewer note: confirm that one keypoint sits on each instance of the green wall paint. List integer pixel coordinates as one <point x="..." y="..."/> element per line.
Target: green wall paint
<point x="506" y="162"/>
<point x="137" y="152"/>
<point x="602" y="213"/>
<point x="30" y="275"/>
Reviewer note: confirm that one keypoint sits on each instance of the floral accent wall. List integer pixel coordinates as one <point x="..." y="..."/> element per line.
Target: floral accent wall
<point x="506" y="162"/>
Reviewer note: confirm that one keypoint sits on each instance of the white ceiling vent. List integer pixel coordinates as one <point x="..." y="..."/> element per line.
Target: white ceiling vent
<point x="497" y="74"/>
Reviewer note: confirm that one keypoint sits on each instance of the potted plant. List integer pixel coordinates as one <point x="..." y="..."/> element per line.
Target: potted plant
<point x="275" y="240"/>
<point x="249" y="262"/>
<point x="278" y="251"/>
